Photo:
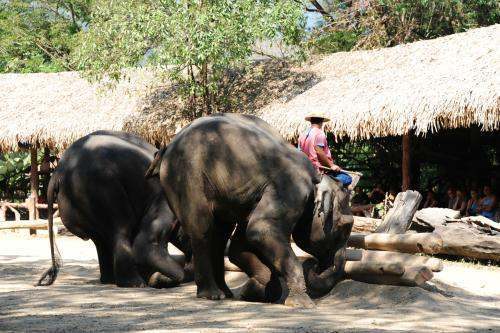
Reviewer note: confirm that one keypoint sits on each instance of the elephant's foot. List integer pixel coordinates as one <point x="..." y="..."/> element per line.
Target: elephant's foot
<point x="299" y="301"/>
<point x="136" y="282"/>
<point x="158" y="280"/>
<point x="253" y="291"/>
<point x="211" y="294"/>
<point x="106" y="279"/>
<point x="227" y="292"/>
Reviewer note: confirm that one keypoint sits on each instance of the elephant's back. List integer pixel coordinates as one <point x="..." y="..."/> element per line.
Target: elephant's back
<point x="236" y="153"/>
<point x="104" y="170"/>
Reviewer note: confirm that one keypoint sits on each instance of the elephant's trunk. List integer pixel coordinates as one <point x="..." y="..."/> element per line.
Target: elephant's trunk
<point x="320" y="283"/>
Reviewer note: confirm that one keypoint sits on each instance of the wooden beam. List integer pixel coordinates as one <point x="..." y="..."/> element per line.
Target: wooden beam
<point x="406" y="162"/>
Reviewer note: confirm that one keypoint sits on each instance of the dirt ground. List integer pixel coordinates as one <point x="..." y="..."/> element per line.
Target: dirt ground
<point x="461" y="298"/>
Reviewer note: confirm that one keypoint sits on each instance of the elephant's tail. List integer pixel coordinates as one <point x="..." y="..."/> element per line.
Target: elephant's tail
<point x="50" y="275"/>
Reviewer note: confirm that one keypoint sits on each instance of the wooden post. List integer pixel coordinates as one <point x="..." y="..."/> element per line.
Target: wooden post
<point x="33" y="200"/>
<point x="406" y="162"/>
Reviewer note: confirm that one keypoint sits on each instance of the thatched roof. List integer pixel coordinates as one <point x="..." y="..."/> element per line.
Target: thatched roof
<point x="443" y="83"/>
<point x="55" y="109"/>
<point x="448" y="82"/>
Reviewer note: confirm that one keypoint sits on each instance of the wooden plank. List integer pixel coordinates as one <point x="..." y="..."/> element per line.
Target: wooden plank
<point x="29" y="224"/>
<point x="399" y="217"/>
<point x="409" y="243"/>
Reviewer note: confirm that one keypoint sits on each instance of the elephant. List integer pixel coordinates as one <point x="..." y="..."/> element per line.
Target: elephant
<point x="233" y="176"/>
<point x="103" y="196"/>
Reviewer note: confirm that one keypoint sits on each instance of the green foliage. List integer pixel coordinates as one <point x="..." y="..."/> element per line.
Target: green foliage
<point x="14" y="169"/>
<point x="391" y="22"/>
<point x="194" y="41"/>
<point x="37" y="36"/>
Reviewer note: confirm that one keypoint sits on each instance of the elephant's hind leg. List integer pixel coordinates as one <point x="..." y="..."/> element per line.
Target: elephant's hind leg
<point x="105" y="256"/>
<point x="125" y="268"/>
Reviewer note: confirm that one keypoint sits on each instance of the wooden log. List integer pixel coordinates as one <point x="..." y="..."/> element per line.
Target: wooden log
<point x="399" y="217"/>
<point x="462" y="240"/>
<point x="365" y="224"/>
<point x="351" y="267"/>
<point x="480" y="220"/>
<point x="409" y="243"/>
<point x="428" y="219"/>
<point x="355" y="268"/>
<point x="412" y="276"/>
<point x="434" y="264"/>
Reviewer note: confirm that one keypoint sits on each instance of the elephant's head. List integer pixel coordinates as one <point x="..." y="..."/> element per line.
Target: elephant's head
<point x="323" y="233"/>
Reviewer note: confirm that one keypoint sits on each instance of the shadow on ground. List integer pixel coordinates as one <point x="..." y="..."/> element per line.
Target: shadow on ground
<point x="78" y="302"/>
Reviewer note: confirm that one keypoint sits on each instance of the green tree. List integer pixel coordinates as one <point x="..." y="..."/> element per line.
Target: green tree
<point x="195" y="41"/>
<point x="37" y="36"/>
<point x="382" y="23"/>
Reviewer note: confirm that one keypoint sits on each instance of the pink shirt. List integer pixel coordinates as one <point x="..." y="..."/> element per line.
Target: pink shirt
<point x="311" y="138"/>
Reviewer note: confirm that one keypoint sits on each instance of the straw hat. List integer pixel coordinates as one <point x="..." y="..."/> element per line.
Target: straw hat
<point x="317" y="115"/>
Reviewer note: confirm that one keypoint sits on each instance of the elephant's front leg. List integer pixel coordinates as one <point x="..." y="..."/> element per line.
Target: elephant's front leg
<point x="269" y="230"/>
<point x="262" y="286"/>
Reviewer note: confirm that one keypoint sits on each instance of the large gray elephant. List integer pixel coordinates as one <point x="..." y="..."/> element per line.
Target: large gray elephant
<point x="233" y="170"/>
<point x="103" y="196"/>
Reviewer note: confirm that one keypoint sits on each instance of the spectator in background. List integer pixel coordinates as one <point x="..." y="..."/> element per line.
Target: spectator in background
<point x="430" y="200"/>
<point x="452" y="197"/>
<point x="360" y="197"/>
<point x="377" y="195"/>
<point x="473" y="203"/>
<point x="460" y="202"/>
<point x="488" y="204"/>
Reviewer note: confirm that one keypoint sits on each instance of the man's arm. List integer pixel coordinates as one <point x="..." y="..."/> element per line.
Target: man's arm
<point x="324" y="160"/>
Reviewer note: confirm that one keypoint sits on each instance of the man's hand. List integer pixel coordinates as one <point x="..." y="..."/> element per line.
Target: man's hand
<point x="335" y="168"/>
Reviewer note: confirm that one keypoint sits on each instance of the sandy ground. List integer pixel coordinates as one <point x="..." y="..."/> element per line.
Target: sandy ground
<point x="462" y="298"/>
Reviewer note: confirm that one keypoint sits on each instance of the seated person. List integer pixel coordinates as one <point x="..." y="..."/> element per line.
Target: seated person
<point x="488" y="204"/>
<point x="360" y="197"/>
<point x="377" y="195"/>
<point x="452" y="197"/>
<point x="460" y="202"/>
<point x="473" y="203"/>
<point x="430" y="200"/>
<point x="313" y="143"/>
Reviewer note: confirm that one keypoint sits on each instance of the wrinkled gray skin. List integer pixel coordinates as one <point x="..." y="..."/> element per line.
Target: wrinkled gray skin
<point x="103" y="196"/>
<point x="227" y="171"/>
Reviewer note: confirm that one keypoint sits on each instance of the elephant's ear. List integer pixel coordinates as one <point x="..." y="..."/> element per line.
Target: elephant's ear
<point x="154" y="167"/>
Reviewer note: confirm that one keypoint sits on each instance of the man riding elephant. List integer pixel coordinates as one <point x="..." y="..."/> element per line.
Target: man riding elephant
<point x="233" y="170"/>
<point x="103" y="196"/>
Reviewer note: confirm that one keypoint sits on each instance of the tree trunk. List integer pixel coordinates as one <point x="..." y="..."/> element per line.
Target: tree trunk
<point x="408" y="243"/>
<point x="399" y="217"/>
<point x="406" y="162"/>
